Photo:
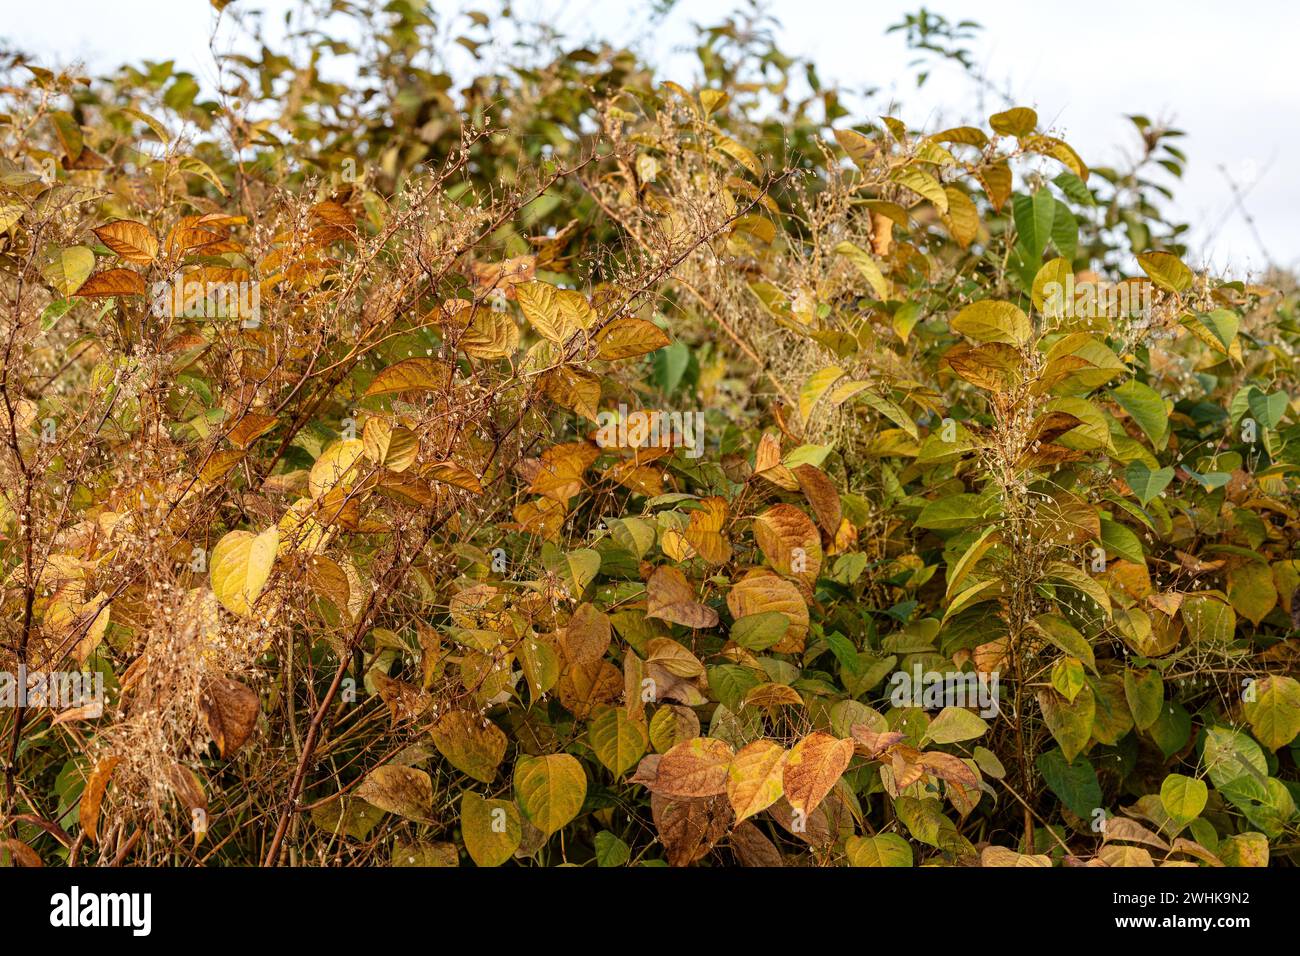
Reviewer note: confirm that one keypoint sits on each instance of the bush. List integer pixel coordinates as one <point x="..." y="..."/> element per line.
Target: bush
<point x="572" y="467"/>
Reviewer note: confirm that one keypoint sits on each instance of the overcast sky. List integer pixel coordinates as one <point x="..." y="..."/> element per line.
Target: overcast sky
<point x="1227" y="74"/>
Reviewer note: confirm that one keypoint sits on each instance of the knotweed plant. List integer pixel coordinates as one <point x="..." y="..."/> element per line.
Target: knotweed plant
<point x="567" y="464"/>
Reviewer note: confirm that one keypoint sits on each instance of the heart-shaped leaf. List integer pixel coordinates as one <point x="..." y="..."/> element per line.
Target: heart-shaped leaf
<point x="1147" y="484"/>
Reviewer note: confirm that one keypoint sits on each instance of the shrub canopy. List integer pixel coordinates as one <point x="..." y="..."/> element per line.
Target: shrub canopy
<point x="564" y="465"/>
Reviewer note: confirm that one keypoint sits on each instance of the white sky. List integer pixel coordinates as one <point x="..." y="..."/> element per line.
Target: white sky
<point x="1227" y="74"/>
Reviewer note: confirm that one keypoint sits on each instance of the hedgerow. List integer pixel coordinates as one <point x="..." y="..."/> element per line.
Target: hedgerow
<point x="568" y="466"/>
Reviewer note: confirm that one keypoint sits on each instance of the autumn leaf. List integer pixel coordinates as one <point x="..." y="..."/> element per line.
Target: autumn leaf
<point x="131" y="240"/>
<point x="813" y="766"/>
<point x="240" y="567"/>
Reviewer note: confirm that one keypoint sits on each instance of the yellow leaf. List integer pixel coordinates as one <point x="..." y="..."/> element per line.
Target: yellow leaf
<point x="450" y="473"/>
<point x="68" y="269"/>
<point x="490" y="335"/>
<point x="336" y="465"/>
<point x="859" y="147"/>
<point x="1166" y="270"/>
<point x="812" y="768"/>
<point x="739" y="153"/>
<point x="554" y="313"/>
<point x="626" y="338"/>
<point x="755" y="778"/>
<point x="705" y="531"/>
<point x="867" y="266"/>
<point x="923" y="184"/>
<point x="992" y="321"/>
<point x="414" y="374"/>
<point x="1017" y="122"/>
<point x="394" y="448"/>
<point x="962" y="219"/>
<point x="815" y="387"/>
<point x="241" y="564"/>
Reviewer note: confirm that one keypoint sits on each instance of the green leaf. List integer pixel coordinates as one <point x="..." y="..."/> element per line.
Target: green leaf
<point x="885" y="849"/>
<point x="1147" y="484"/>
<point x="1061" y="633"/>
<point x="1065" y="231"/>
<point x="1209" y="621"/>
<point x="1111" y="717"/>
<point x="758" y="632"/>
<point x="610" y="850"/>
<point x="1172" y="728"/>
<point x="1183" y="798"/>
<point x="1075" y="782"/>
<point x="1074" y="188"/>
<point x="1230" y="755"/>
<point x="1273" y="710"/>
<point x="617" y="740"/>
<point x="1033" y="216"/>
<point x="1119" y="540"/>
<point x="1210" y="480"/>
<point x="1068" y="677"/>
<point x="1070" y="721"/>
<point x="68" y="269"/>
<point x="867" y="267"/>
<point x="954" y="724"/>
<point x="550" y="790"/>
<point x="1145" y="693"/>
<point x="1268" y="409"/>
<point x="1217" y="329"/>
<point x="992" y="321"/>
<point x="1145" y="405"/>
<point x="491" y="829"/>
<point x="952" y="512"/>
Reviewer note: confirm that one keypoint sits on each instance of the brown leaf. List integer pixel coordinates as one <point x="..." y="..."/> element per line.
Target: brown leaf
<point x="752" y="848"/>
<point x="131" y="240"/>
<point x="627" y="338"/>
<point x="704" y="532"/>
<point x="23" y="854"/>
<point x="767" y="464"/>
<point x="994" y="366"/>
<point x="688" y="829"/>
<point x="761" y="591"/>
<point x="111" y="282"/>
<point x="586" y="637"/>
<point x="406" y="791"/>
<point x="673" y="657"/>
<point x="92" y="798"/>
<point x="874" y="744"/>
<point x="468" y="745"/>
<point x="821" y="494"/>
<point x="582" y="687"/>
<point x="670" y="598"/>
<point x="790" y="542"/>
<point x="249" y="428"/>
<point x="950" y="768"/>
<point x="230" y="709"/>
<point x="812" y="768"/>
<point x="694" y="768"/>
<point x="450" y="473"/>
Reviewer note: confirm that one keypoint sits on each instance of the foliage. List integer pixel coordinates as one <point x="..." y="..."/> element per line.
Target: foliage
<point x="573" y="467"/>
